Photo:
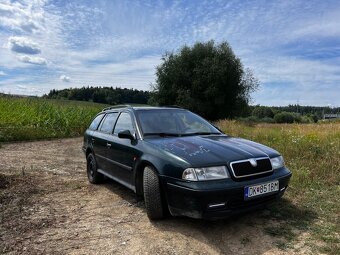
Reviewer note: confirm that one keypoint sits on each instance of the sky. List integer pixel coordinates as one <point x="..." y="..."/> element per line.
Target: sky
<point x="293" y="47"/>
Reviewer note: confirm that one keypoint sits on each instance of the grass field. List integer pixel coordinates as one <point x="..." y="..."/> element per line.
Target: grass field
<point x="312" y="153"/>
<point x="34" y="118"/>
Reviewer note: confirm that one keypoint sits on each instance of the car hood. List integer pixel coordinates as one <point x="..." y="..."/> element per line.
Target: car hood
<point x="210" y="150"/>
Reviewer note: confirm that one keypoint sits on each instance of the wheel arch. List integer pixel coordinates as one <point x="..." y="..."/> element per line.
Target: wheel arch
<point x="138" y="174"/>
<point x="88" y="151"/>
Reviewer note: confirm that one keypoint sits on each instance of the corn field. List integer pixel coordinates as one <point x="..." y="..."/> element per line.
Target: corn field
<point x="35" y="118"/>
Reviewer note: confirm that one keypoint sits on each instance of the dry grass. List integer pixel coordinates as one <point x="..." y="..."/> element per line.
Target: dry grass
<point x="312" y="153"/>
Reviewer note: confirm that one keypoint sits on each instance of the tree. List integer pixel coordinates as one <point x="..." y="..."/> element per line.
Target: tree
<point x="263" y="112"/>
<point x="206" y="78"/>
<point x="287" y="117"/>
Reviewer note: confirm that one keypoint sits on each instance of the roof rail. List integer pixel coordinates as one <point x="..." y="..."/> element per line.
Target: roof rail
<point x="117" y="106"/>
<point x="172" y="106"/>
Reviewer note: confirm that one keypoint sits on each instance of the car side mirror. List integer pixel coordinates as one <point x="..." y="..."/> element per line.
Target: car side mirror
<point x="126" y="134"/>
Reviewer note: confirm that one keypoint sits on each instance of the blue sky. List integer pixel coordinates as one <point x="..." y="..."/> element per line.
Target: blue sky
<point x="293" y="47"/>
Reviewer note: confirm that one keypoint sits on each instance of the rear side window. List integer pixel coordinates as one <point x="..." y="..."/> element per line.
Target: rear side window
<point x="95" y="122"/>
<point x="124" y="123"/>
<point x="108" y="123"/>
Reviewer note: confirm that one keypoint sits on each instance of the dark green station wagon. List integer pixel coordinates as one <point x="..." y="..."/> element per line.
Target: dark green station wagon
<point x="182" y="164"/>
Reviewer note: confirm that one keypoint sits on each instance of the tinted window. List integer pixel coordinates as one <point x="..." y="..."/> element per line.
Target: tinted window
<point x="96" y="121"/>
<point x="124" y="122"/>
<point x="108" y="123"/>
<point x="173" y="121"/>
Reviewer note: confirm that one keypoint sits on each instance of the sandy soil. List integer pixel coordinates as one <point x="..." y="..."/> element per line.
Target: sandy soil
<point x="47" y="206"/>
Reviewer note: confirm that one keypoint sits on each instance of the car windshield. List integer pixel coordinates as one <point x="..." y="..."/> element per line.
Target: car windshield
<point x="173" y="122"/>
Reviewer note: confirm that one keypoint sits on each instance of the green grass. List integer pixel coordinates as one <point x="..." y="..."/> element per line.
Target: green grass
<point x="311" y="204"/>
<point x="36" y="118"/>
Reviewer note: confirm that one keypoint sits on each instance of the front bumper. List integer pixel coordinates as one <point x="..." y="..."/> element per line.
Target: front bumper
<point x="220" y="198"/>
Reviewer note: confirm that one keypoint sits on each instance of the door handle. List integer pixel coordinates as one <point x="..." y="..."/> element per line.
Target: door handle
<point x="92" y="140"/>
<point x="108" y="145"/>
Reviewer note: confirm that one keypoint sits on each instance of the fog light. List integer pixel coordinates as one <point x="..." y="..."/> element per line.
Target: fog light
<point x="211" y="206"/>
<point x="282" y="189"/>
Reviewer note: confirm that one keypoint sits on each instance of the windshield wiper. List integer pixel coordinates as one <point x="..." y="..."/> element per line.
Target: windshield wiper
<point x="201" y="133"/>
<point x="162" y="134"/>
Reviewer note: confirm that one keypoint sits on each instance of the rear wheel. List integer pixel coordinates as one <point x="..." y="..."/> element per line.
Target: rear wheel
<point x="92" y="174"/>
<point x="152" y="194"/>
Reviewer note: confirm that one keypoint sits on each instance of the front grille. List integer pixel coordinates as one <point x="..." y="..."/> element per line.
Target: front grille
<point x="244" y="168"/>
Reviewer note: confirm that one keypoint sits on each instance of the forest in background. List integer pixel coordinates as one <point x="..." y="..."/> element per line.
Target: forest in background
<point x="103" y="95"/>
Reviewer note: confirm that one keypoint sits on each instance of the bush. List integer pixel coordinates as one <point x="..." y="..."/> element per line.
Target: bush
<point x="313" y="117"/>
<point x="267" y="120"/>
<point x="248" y="119"/>
<point x="254" y="119"/>
<point x="306" y="119"/>
<point x="263" y="112"/>
<point x="287" y="117"/>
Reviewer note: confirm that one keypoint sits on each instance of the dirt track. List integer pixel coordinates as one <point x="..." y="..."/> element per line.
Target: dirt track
<point x="53" y="209"/>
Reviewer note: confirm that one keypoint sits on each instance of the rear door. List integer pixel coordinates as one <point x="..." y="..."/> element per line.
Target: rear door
<point x="90" y="134"/>
<point x="101" y="140"/>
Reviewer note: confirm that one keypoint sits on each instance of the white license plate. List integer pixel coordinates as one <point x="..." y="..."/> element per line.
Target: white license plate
<point x="260" y="189"/>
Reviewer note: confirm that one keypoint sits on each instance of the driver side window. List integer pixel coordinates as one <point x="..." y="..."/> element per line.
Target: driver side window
<point x="124" y="122"/>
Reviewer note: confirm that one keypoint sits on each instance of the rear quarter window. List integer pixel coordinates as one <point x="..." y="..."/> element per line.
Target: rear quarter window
<point x="95" y="123"/>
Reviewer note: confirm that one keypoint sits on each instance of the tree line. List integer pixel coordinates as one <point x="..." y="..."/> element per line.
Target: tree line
<point x="289" y="114"/>
<point x="104" y="95"/>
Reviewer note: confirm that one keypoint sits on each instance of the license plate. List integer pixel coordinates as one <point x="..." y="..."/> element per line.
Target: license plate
<point x="260" y="189"/>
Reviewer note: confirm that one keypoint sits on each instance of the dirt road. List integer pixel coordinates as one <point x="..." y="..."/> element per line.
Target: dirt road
<point x="47" y="206"/>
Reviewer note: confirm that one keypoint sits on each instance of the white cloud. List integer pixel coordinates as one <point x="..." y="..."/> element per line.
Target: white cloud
<point x="32" y="60"/>
<point x="21" y="16"/>
<point x="65" y="78"/>
<point x="326" y="26"/>
<point x="134" y="73"/>
<point x="118" y="43"/>
<point x="2" y="73"/>
<point x="23" y="45"/>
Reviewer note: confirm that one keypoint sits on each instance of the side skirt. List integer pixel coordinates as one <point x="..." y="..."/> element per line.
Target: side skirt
<point x="133" y="188"/>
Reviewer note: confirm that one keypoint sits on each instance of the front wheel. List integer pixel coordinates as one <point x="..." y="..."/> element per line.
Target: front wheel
<point x="92" y="174"/>
<point x="152" y="194"/>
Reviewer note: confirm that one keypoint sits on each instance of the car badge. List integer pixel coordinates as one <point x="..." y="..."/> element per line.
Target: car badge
<point x="253" y="162"/>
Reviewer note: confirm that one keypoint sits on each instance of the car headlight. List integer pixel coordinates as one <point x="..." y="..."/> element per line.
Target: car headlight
<point x="205" y="173"/>
<point x="277" y="162"/>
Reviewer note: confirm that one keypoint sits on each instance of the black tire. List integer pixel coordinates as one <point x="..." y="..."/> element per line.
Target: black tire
<point x="152" y="194"/>
<point x="92" y="174"/>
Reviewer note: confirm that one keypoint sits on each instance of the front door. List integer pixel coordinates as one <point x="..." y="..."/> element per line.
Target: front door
<point x="122" y="152"/>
